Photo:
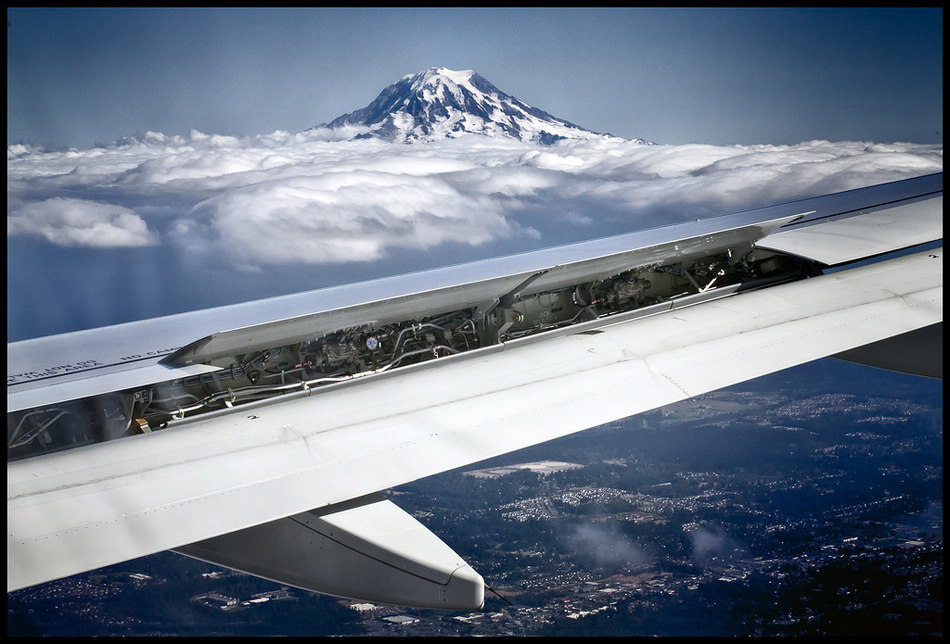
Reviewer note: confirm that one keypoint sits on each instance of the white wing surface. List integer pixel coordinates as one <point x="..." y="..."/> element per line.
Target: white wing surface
<point x="214" y="473"/>
<point x="862" y="234"/>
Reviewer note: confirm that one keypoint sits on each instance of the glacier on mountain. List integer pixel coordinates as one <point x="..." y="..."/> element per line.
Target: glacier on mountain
<point x="440" y="103"/>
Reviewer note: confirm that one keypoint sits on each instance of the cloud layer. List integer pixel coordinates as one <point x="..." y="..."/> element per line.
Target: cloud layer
<point x="312" y="198"/>
<point x="77" y="222"/>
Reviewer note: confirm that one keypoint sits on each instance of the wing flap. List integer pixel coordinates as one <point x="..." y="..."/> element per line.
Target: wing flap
<point x="866" y="234"/>
<point x="89" y="507"/>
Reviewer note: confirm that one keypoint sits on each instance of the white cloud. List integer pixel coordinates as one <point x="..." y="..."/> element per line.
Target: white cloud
<point x="77" y="222"/>
<point x="311" y="197"/>
<point x="348" y="216"/>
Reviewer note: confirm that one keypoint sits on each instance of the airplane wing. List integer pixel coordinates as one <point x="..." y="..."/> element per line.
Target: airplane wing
<point x="257" y="436"/>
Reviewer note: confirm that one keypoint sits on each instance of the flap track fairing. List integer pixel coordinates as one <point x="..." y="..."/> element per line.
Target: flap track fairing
<point x="366" y="548"/>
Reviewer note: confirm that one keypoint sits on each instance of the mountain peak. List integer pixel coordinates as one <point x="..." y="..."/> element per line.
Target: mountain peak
<point x="439" y="103"/>
<point x="436" y="74"/>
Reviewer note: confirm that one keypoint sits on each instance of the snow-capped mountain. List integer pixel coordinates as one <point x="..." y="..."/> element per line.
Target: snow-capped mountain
<point x="441" y="103"/>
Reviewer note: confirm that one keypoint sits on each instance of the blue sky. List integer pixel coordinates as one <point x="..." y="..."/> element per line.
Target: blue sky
<point x="77" y="77"/>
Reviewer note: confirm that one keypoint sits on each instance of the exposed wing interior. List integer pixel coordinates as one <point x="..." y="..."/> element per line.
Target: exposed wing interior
<point x="534" y="278"/>
<point x="54" y="369"/>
